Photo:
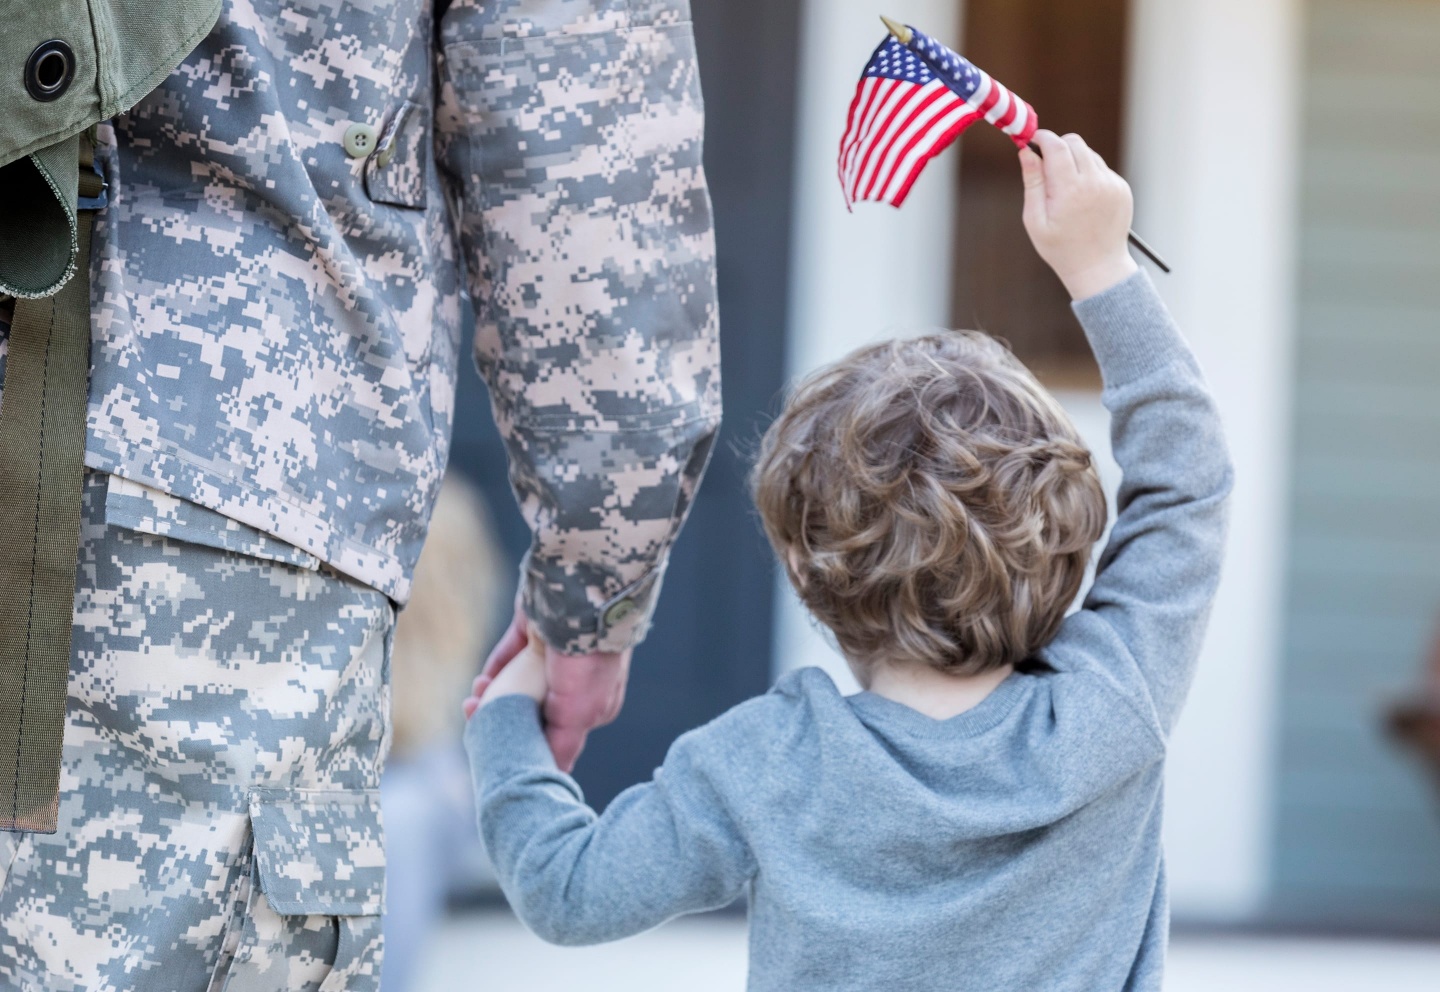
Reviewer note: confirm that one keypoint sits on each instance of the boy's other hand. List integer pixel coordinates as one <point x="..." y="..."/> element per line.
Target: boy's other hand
<point x="523" y="676"/>
<point x="582" y="692"/>
<point x="1077" y="213"/>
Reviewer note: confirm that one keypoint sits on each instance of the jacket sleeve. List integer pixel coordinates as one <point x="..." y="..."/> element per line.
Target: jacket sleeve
<point x="570" y="132"/>
<point x="666" y="847"/>
<point x="1144" y="620"/>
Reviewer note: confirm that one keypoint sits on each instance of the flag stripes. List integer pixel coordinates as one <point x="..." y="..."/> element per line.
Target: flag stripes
<point x="912" y="103"/>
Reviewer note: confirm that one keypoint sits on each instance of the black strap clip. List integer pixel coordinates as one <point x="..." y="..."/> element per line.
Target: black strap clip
<point x="100" y="200"/>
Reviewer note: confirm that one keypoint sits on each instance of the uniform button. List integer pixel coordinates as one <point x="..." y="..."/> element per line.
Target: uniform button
<point x="620" y="611"/>
<point x="49" y="70"/>
<point x="359" y="140"/>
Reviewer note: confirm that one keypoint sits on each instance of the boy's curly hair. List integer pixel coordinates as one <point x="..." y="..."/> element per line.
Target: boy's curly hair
<point x="931" y="503"/>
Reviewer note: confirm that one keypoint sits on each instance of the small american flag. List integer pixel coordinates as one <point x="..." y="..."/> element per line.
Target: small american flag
<point x="913" y="101"/>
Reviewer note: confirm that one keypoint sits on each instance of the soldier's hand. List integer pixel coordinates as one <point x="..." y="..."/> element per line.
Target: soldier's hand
<point x="585" y="691"/>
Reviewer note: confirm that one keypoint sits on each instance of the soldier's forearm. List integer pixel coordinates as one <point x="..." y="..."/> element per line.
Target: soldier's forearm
<point x="587" y="230"/>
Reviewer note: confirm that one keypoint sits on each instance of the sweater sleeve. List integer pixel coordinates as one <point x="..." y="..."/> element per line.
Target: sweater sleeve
<point x="667" y="847"/>
<point x="1144" y="619"/>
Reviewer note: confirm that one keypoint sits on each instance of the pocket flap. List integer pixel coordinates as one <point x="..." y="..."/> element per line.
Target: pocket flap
<point x="139" y="508"/>
<point x="395" y="173"/>
<point x="319" y="853"/>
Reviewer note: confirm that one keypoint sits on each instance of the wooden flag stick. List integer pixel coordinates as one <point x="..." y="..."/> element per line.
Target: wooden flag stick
<point x="904" y="35"/>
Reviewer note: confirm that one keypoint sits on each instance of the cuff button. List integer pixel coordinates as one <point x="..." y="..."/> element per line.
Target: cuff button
<point x="619" y="611"/>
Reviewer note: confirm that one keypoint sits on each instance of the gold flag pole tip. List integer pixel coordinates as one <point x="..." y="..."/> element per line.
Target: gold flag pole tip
<point x="900" y="31"/>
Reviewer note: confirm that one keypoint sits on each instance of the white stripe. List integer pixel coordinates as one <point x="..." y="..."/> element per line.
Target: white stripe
<point x="1022" y="114"/>
<point x="896" y="126"/>
<point x="887" y="140"/>
<point x="977" y="99"/>
<point x="863" y="125"/>
<point x="857" y="132"/>
<point x="863" y="106"/>
<point x="960" y="112"/>
<point x="1001" y="105"/>
<point x="939" y="109"/>
<point x="884" y="124"/>
<point x="896" y="94"/>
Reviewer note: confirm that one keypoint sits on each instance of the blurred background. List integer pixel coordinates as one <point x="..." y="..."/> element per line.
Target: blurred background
<point x="1283" y="155"/>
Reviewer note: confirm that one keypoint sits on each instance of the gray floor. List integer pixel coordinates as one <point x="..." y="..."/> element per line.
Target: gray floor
<point x="491" y="952"/>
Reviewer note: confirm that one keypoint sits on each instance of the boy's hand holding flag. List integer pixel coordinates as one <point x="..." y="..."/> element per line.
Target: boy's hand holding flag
<point x="915" y="98"/>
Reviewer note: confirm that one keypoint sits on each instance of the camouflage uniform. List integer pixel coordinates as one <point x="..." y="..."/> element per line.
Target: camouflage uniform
<point x="226" y="721"/>
<point x="277" y="288"/>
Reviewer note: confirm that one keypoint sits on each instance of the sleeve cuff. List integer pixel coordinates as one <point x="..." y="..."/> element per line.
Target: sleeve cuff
<point x="621" y="622"/>
<point x="505" y="736"/>
<point x="1130" y="330"/>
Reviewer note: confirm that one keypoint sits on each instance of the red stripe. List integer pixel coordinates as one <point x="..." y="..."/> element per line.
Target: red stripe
<point x="867" y="125"/>
<point x="854" y="106"/>
<point x="941" y="143"/>
<point x="1032" y="124"/>
<point x="873" y="139"/>
<point x="857" y="114"/>
<point x="991" y="98"/>
<point x="915" y="139"/>
<point x="929" y="101"/>
<point x="1008" y="117"/>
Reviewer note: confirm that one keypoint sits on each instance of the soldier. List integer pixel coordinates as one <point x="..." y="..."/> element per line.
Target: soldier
<point x="293" y="216"/>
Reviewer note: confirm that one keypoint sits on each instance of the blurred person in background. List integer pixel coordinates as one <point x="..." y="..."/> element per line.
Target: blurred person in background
<point x="461" y="585"/>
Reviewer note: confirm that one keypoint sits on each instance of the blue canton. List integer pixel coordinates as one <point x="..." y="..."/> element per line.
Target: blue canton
<point x="927" y="61"/>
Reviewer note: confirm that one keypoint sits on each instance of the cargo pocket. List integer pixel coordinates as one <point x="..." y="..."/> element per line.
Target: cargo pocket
<point x="307" y="917"/>
<point x="395" y="171"/>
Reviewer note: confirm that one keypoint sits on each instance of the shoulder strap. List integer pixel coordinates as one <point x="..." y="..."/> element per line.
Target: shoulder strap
<point x="42" y="454"/>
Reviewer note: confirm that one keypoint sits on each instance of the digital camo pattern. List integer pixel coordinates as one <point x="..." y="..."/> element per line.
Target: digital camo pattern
<point x="269" y="342"/>
<point x="149" y="511"/>
<point x="276" y="323"/>
<point x="580" y="125"/>
<point x="226" y="721"/>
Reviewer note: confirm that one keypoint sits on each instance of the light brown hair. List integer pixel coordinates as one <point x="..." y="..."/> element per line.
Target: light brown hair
<point x="931" y="503"/>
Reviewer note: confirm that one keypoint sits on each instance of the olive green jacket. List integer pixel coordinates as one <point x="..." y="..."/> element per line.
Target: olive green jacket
<point x="83" y="61"/>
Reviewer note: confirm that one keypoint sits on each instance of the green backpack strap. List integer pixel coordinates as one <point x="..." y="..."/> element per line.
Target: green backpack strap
<point x="42" y="457"/>
<point x="81" y="62"/>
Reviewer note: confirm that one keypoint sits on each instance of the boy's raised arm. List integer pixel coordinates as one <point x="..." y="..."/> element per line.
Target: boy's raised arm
<point x="1145" y="617"/>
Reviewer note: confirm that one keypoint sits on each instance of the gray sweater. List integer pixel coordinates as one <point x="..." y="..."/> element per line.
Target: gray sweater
<point x="1013" y="847"/>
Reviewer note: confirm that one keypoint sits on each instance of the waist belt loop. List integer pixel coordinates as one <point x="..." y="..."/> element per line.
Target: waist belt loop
<point x="42" y="455"/>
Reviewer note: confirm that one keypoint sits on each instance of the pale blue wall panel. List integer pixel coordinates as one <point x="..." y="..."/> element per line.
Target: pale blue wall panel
<point x="1357" y="830"/>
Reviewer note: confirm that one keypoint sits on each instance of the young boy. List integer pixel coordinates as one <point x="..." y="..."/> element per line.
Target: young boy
<point x="986" y="815"/>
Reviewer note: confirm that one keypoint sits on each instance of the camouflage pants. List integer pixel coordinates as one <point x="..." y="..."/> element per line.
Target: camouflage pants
<point x="219" y="812"/>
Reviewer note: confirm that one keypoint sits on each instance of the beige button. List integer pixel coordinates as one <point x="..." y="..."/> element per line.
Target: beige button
<point x="620" y="611"/>
<point x="359" y="140"/>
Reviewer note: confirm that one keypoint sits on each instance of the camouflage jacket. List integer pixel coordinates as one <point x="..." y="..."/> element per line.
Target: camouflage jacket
<point x="295" y="213"/>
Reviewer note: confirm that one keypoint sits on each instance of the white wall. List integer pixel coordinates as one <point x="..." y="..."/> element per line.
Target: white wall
<point x="860" y="276"/>
<point x="1213" y="130"/>
<point x="1215" y="190"/>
